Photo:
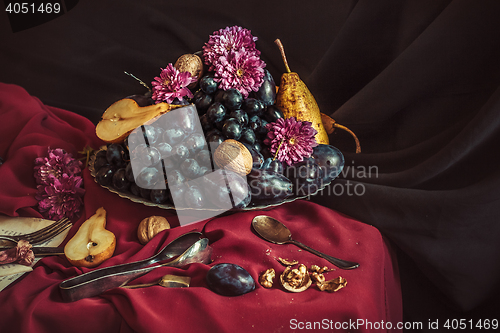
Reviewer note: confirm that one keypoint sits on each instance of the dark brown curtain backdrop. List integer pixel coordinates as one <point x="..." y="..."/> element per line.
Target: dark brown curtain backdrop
<point x="417" y="81"/>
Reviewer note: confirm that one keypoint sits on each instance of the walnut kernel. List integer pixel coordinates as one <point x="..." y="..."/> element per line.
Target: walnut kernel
<point x="332" y="285"/>
<point x="266" y="278"/>
<point x="287" y="262"/>
<point x="150" y="227"/>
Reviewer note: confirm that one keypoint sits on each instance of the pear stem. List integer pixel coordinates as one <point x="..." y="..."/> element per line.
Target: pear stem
<point x="283" y="56"/>
<point x="358" y="146"/>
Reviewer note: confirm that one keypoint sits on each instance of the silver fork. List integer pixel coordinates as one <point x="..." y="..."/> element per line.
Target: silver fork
<point x="41" y="235"/>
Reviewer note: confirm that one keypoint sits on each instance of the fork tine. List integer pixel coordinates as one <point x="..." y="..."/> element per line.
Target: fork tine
<point x="49" y="233"/>
<point x="44" y="230"/>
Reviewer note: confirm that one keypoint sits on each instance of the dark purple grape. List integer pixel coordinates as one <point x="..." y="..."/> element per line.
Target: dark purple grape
<point x="240" y="116"/>
<point x="158" y="196"/>
<point x="226" y="189"/>
<point x="216" y="112"/>
<point x="274" y="165"/>
<point x="262" y="130"/>
<point x="193" y="197"/>
<point x="229" y="280"/>
<point x="195" y="143"/>
<point x="145" y="193"/>
<point x="114" y="154"/>
<point x="231" y="129"/>
<point x="214" y="140"/>
<point x="120" y="181"/>
<point x="150" y="134"/>
<point x="206" y="125"/>
<point x="273" y="113"/>
<point x="146" y="156"/>
<point x="101" y="153"/>
<point x="104" y="176"/>
<point x="129" y="173"/>
<point x="202" y="101"/>
<point x="254" y="123"/>
<point x="165" y="149"/>
<point x="100" y="162"/>
<point x="184" y="118"/>
<point x="248" y="136"/>
<point x="175" y="178"/>
<point x="253" y="107"/>
<point x="148" y="177"/>
<point x="176" y="195"/>
<point x="180" y="153"/>
<point x="190" y="168"/>
<point x="231" y="98"/>
<point x="173" y="136"/>
<point x="204" y="158"/>
<point x="134" y="189"/>
<point x="267" y="91"/>
<point x="208" y="84"/>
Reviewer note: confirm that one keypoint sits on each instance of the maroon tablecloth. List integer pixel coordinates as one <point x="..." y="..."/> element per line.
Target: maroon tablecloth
<point x="370" y="301"/>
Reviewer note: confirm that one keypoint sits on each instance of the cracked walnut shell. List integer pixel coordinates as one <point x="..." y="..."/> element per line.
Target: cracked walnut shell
<point x="150" y="227"/>
<point x="296" y="280"/>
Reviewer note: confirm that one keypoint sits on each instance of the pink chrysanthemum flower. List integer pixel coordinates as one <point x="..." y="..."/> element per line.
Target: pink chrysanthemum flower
<point x="59" y="190"/>
<point x="172" y="84"/>
<point x="227" y="40"/>
<point x="56" y="164"/>
<point x="291" y="140"/>
<point x="63" y="198"/>
<point x="240" y="70"/>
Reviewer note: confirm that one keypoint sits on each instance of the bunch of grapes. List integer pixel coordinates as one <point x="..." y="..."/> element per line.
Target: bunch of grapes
<point x="226" y="114"/>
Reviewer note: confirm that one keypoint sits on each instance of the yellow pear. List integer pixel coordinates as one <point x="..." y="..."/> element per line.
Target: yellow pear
<point x="125" y="115"/>
<point x="295" y="100"/>
<point x="92" y="244"/>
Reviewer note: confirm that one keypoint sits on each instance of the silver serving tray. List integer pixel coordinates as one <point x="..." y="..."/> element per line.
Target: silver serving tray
<point x="250" y="207"/>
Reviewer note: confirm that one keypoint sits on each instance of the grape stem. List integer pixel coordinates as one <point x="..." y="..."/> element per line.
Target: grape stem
<point x="277" y="150"/>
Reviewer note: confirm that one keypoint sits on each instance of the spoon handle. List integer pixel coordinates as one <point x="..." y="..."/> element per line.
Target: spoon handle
<point x="343" y="264"/>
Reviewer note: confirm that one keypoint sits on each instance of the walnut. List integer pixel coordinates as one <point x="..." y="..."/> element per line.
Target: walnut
<point x="234" y="156"/>
<point x="150" y="227"/>
<point x="296" y="279"/>
<point x="317" y="277"/>
<point x="287" y="262"/>
<point x="317" y="269"/>
<point x="190" y="63"/>
<point x="332" y="285"/>
<point x="266" y="278"/>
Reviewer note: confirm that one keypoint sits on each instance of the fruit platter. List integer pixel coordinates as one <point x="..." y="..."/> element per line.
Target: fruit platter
<point x="215" y="132"/>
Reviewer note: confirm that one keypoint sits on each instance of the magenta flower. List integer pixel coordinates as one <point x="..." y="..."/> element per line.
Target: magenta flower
<point x="240" y="70"/>
<point x="227" y="40"/>
<point x="172" y="84"/>
<point x="60" y="189"/>
<point x="291" y="140"/>
<point x="63" y="198"/>
<point x="56" y="164"/>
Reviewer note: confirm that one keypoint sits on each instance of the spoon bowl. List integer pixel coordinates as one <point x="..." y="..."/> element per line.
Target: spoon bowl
<point x="276" y="232"/>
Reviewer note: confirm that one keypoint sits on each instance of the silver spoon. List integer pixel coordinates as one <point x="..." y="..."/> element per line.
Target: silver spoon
<point x="276" y="232"/>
